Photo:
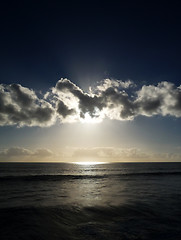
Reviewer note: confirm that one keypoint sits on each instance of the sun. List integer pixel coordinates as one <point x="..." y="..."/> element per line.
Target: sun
<point x="97" y="117"/>
<point x="88" y="119"/>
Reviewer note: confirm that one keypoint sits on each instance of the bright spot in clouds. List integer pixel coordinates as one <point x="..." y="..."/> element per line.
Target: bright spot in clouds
<point x="88" y="119"/>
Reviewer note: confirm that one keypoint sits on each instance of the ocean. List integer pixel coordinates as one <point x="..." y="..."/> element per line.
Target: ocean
<point x="123" y="201"/>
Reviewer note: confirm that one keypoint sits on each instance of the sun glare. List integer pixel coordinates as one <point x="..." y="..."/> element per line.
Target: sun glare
<point x="88" y="119"/>
<point x="89" y="163"/>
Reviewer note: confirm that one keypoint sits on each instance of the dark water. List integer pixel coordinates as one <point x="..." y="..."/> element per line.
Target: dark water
<point x="108" y="201"/>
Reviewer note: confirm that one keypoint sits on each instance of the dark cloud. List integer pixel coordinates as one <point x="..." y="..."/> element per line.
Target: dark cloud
<point x="119" y="100"/>
<point x="111" y="99"/>
<point x="163" y="99"/>
<point x="20" y="106"/>
<point x="23" y="96"/>
<point x="86" y="103"/>
<point x="63" y="110"/>
<point x="151" y="106"/>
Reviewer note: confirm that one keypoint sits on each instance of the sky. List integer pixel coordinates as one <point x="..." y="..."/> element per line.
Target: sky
<point x="90" y="81"/>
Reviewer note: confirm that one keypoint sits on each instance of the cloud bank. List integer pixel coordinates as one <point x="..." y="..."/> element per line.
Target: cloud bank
<point x="110" y="153"/>
<point x="23" y="154"/>
<point x="118" y="154"/>
<point x="67" y="103"/>
<point x="73" y="154"/>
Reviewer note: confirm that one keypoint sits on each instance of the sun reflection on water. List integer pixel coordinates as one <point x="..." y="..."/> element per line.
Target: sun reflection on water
<point x="88" y="163"/>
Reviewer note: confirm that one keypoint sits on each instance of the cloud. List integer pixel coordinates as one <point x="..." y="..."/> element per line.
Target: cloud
<point x="114" y="99"/>
<point x="107" y="83"/>
<point x="20" y="106"/>
<point x="109" y="152"/>
<point x="119" y="154"/>
<point x="72" y="154"/>
<point x="163" y="99"/>
<point x="66" y="102"/>
<point x="63" y="110"/>
<point x="76" y="101"/>
<point x="21" y="154"/>
<point x="15" y="152"/>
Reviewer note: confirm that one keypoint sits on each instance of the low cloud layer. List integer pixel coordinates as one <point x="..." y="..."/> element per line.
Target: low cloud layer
<point x="76" y="154"/>
<point x="66" y="102"/>
<point x="118" y="154"/>
<point x="110" y="153"/>
<point x="22" y="154"/>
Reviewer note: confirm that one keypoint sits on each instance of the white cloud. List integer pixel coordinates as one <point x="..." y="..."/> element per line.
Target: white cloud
<point x="107" y="83"/>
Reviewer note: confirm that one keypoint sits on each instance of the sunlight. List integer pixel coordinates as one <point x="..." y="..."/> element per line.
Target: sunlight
<point x="88" y="119"/>
<point x="89" y="163"/>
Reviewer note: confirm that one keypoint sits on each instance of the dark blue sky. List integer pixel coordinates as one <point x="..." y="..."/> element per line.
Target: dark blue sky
<point x="87" y="41"/>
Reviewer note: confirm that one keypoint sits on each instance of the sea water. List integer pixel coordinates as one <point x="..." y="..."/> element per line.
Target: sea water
<point x="102" y="201"/>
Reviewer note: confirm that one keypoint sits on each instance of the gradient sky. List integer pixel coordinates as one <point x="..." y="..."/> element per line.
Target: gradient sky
<point x="90" y="81"/>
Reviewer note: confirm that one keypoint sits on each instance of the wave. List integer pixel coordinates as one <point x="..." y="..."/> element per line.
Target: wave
<point x="52" y="177"/>
<point x="129" y="221"/>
